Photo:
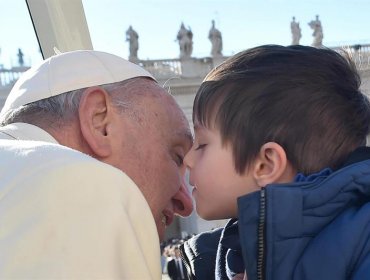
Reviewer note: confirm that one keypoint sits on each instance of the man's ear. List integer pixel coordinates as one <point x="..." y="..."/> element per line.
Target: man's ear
<point x="95" y="116"/>
<point x="271" y="165"/>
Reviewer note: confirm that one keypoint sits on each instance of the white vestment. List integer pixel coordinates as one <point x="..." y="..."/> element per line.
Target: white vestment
<point x="66" y="215"/>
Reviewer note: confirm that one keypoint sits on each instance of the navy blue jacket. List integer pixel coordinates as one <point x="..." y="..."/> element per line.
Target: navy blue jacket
<point x="317" y="227"/>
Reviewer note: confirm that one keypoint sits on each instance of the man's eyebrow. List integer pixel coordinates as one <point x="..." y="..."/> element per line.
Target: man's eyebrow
<point x="185" y="134"/>
<point x="189" y="136"/>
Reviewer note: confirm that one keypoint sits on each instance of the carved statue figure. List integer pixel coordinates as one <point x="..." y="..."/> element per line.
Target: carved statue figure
<point x="215" y="37"/>
<point x="133" y="38"/>
<point x="185" y="39"/>
<point x="20" y="57"/>
<point x="317" y="34"/>
<point x="296" y="32"/>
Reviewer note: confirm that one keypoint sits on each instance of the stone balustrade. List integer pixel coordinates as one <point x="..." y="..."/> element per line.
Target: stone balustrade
<point x="186" y="68"/>
<point x="360" y="54"/>
<point x="190" y="70"/>
<point x="9" y="76"/>
<point x="163" y="68"/>
<point x="199" y="67"/>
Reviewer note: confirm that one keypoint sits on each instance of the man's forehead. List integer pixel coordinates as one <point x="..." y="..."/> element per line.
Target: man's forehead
<point x="162" y="105"/>
<point x="183" y="134"/>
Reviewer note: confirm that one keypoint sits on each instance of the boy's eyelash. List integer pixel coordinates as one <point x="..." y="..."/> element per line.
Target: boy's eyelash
<point x="200" y="146"/>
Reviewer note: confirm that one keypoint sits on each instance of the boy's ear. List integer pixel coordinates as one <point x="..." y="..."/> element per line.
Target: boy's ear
<point x="271" y="165"/>
<point x="95" y="117"/>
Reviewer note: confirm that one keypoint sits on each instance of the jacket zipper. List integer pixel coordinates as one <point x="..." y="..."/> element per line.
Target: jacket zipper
<point x="186" y="263"/>
<point x="261" y="237"/>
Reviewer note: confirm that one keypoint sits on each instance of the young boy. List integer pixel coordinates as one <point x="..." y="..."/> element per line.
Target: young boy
<point x="279" y="147"/>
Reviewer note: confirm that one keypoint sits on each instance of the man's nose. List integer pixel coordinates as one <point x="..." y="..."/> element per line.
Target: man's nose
<point x="182" y="202"/>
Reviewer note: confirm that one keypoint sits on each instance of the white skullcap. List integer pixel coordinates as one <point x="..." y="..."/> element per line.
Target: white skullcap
<point x="70" y="71"/>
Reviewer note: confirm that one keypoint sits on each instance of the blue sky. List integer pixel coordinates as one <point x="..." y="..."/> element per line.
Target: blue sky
<point x="243" y="23"/>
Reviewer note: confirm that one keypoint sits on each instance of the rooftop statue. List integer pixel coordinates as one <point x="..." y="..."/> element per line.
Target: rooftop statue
<point x="296" y="32"/>
<point x="317" y="34"/>
<point x="215" y="37"/>
<point x="20" y="57"/>
<point x="185" y="39"/>
<point x="133" y="38"/>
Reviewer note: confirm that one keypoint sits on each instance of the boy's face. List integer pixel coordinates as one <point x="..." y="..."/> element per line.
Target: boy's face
<point x="216" y="183"/>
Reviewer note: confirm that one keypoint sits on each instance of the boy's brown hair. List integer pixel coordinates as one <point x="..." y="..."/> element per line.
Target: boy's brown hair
<point x="303" y="98"/>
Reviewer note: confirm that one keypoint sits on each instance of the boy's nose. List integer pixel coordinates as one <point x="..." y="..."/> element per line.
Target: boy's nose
<point x="188" y="161"/>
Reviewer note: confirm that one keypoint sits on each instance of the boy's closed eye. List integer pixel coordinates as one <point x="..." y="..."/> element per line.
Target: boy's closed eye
<point x="200" y="146"/>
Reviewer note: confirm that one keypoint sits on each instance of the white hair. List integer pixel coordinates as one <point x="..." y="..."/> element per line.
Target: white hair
<point x="58" y="110"/>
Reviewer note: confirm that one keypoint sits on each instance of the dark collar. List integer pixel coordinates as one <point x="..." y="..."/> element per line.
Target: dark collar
<point x="360" y="154"/>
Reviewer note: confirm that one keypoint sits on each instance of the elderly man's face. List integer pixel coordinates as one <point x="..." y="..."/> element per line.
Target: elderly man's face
<point x="154" y="141"/>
